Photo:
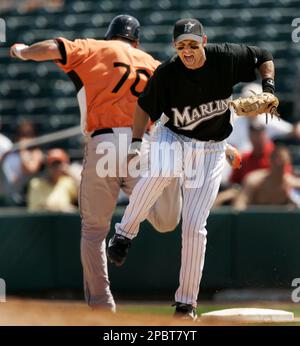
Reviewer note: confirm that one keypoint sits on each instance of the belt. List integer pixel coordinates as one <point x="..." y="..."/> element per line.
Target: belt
<point x="108" y="130"/>
<point x="102" y="131"/>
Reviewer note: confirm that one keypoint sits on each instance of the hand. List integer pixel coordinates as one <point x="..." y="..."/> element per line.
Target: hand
<point x="233" y="157"/>
<point x="135" y="147"/>
<point x="15" y="51"/>
<point x="12" y="50"/>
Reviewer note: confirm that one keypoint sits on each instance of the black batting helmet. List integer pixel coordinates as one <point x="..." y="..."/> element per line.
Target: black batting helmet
<point x="124" y="26"/>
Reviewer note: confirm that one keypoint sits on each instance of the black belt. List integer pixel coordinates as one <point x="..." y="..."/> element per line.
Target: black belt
<point x="102" y="132"/>
<point x="107" y="130"/>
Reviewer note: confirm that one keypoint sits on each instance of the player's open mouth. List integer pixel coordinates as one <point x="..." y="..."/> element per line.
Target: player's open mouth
<point x="189" y="59"/>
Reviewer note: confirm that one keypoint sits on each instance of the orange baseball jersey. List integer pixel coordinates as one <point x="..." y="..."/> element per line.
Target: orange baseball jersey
<point x="109" y="76"/>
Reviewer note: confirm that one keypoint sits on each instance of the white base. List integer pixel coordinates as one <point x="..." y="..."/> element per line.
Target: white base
<point x="248" y="315"/>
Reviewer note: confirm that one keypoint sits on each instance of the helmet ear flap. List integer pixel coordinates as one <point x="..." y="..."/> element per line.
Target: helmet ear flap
<point x="124" y="26"/>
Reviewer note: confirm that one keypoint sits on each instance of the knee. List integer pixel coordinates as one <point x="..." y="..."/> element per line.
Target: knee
<point x="94" y="234"/>
<point x="164" y="226"/>
<point x="166" y="222"/>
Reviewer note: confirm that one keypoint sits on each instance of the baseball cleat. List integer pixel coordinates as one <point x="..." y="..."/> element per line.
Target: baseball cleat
<point x="185" y="311"/>
<point x="117" y="249"/>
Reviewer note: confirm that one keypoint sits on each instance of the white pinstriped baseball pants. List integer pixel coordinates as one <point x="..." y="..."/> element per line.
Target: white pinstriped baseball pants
<point x="198" y="198"/>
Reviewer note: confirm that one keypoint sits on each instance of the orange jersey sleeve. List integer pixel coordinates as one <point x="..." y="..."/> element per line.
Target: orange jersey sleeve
<point x="73" y="53"/>
<point x="109" y="77"/>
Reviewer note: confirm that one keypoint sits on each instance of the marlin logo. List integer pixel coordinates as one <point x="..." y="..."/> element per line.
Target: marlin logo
<point x="188" y="27"/>
<point x="189" y="118"/>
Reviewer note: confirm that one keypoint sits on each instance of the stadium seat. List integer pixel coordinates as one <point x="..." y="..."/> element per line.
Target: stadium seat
<point x="80" y="6"/>
<point x="20" y="70"/>
<point x="232" y="4"/>
<point x="62" y="87"/>
<point x="163" y="5"/>
<point x="8" y="106"/>
<point x="117" y="6"/>
<point x="20" y="22"/>
<point x="65" y="105"/>
<point x="197" y="4"/>
<point x="261" y="3"/>
<point x="138" y="5"/>
<point x="95" y="33"/>
<point x="76" y="21"/>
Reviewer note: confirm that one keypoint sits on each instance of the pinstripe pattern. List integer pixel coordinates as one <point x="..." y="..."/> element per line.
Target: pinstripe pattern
<point x="196" y="206"/>
<point x="197" y="202"/>
<point x="146" y="192"/>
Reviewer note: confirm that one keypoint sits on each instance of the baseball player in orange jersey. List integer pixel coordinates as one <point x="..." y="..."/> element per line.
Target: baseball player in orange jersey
<point x="109" y="75"/>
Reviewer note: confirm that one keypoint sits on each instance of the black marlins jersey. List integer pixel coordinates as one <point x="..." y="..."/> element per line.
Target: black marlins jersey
<point x="195" y="102"/>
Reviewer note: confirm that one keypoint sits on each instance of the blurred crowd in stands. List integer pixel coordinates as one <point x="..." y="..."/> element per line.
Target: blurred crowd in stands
<point x="36" y="178"/>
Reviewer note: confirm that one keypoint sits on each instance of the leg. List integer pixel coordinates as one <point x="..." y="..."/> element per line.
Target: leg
<point x="153" y="189"/>
<point x="166" y="211"/>
<point x="144" y="195"/>
<point x="97" y="202"/>
<point x="165" y="214"/>
<point x="197" y="203"/>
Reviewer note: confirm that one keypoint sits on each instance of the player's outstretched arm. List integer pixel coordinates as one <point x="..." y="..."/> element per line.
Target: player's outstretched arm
<point x="40" y="51"/>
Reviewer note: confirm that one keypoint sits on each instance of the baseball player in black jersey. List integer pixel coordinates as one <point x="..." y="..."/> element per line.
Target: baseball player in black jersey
<point x="191" y="91"/>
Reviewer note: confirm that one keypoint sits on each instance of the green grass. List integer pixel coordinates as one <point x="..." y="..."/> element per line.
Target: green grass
<point x="165" y="309"/>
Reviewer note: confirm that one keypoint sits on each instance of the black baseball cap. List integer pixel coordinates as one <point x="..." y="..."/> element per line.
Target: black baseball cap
<point x="188" y="29"/>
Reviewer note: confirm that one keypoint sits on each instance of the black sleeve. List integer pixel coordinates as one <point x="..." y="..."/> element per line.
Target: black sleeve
<point x="244" y="60"/>
<point x="151" y="99"/>
<point x="62" y="50"/>
<point x="261" y="55"/>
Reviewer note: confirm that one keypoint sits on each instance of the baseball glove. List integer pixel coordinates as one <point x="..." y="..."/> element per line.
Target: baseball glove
<point x="256" y="104"/>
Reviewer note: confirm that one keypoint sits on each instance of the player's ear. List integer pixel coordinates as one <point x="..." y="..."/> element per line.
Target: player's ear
<point x="204" y="37"/>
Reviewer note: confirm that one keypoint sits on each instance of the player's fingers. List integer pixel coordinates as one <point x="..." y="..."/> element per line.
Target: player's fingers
<point x="15" y="50"/>
<point x="12" y="51"/>
<point x="233" y="157"/>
